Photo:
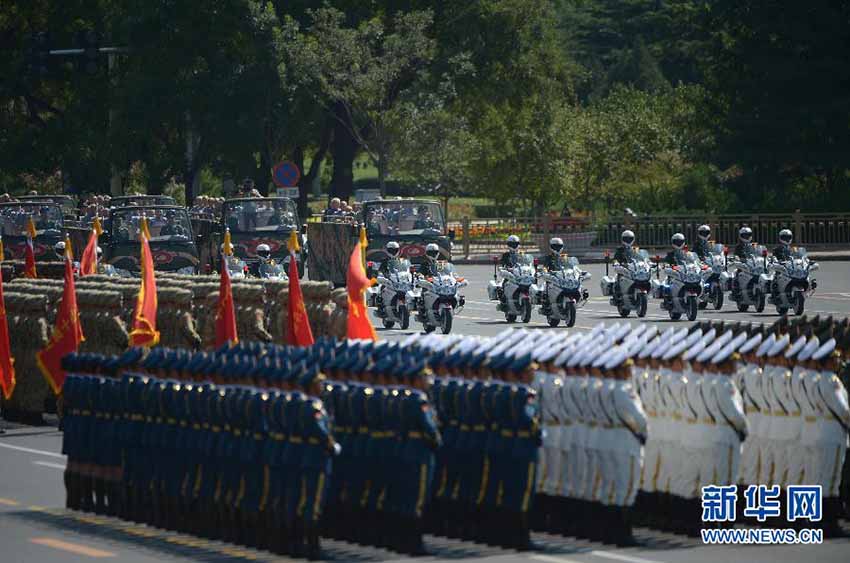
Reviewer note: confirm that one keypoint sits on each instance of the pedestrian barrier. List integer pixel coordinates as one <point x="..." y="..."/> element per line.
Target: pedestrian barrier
<point x="582" y="234"/>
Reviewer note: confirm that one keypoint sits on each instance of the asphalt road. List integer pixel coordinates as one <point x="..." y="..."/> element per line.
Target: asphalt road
<point x="480" y="317"/>
<point x="34" y="526"/>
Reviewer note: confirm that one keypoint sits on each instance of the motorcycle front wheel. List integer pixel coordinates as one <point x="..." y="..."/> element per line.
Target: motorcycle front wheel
<point x="428" y="328"/>
<point x="446" y="321"/>
<point x="760" y="300"/>
<point x="693" y="307"/>
<point x="799" y="303"/>
<point x="405" y="319"/>
<point x="641" y="305"/>
<point x="526" y="311"/>
<point x="675" y="316"/>
<point x="717" y="298"/>
<point x="624" y="312"/>
<point x="743" y="307"/>
<point x="553" y="321"/>
<point x="570" y="313"/>
<point x="510" y="317"/>
<point x="388" y="323"/>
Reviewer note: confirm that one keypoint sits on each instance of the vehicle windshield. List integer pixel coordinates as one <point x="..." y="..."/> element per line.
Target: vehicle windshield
<point x="257" y="214"/>
<point x="390" y="218"/>
<point x="799" y="252"/>
<point x="164" y="224"/>
<point x="445" y="268"/>
<point x="717" y="249"/>
<point x="47" y="218"/>
<point x="642" y="255"/>
<point x="569" y="262"/>
<point x="67" y="203"/>
<point x="691" y="258"/>
<point x="141" y="201"/>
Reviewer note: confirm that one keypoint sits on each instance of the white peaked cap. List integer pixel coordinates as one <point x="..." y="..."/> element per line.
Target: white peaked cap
<point x="766" y="345"/>
<point x="650" y="347"/>
<point x="825" y="350"/>
<point x="795" y="348"/>
<point x="779" y="345"/>
<point x="675" y="350"/>
<point x="694" y="350"/>
<point x="810" y="348"/>
<point x="750" y="344"/>
<point x="694" y="337"/>
<point x="616" y="357"/>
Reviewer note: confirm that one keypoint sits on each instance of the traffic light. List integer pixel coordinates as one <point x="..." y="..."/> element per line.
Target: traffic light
<point x="89" y="41"/>
<point x="38" y="55"/>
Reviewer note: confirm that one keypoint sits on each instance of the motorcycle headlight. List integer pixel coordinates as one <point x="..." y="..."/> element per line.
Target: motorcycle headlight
<point x="641" y="275"/>
<point x="692" y="278"/>
<point x="445" y="290"/>
<point x="188" y="270"/>
<point x="799" y="273"/>
<point x="525" y="280"/>
<point x="570" y="283"/>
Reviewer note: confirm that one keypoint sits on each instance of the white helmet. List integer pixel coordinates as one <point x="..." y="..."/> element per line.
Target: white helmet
<point x="785" y="236"/>
<point x="264" y="251"/>
<point x="432" y="251"/>
<point x="628" y="238"/>
<point x="745" y="234"/>
<point x="59" y="248"/>
<point x="392" y="248"/>
<point x="704" y="232"/>
<point x="556" y="244"/>
<point x="99" y="251"/>
<point x="513" y="242"/>
<point x="678" y="241"/>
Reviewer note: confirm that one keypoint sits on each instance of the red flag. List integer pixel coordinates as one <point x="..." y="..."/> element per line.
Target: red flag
<point x="29" y="252"/>
<point x="7" y="362"/>
<point x="144" y="331"/>
<point x="88" y="261"/>
<point x="298" y="331"/>
<point x="67" y="333"/>
<point x="225" y="318"/>
<point x="359" y="325"/>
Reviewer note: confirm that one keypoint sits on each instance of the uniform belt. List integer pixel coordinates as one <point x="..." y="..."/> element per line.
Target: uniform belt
<point x="216" y="429"/>
<point x="779" y="413"/>
<point x="86" y="412"/>
<point x="196" y="426"/>
<point x="237" y="432"/>
<point x="464" y="427"/>
<point x="363" y="429"/>
<point x="591" y="424"/>
<point x="277" y="436"/>
<point x="313" y="441"/>
<point x="653" y="414"/>
<point x="453" y="423"/>
<point x="296" y="440"/>
<point x="414" y="434"/>
<point x="751" y="410"/>
<point x="137" y="417"/>
<point x="691" y="421"/>
<point x="482" y="427"/>
<point x="795" y="413"/>
<point x="206" y="425"/>
<point x="508" y="433"/>
<point x="811" y="419"/>
<point x="676" y="417"/>
<point x="98" y="414"/>
<point x="707" y="421"/>
<point x="75" y="411"/>
<point x="555" y="423"/>
<point x="172" y="421"/>
<point x="523" y="434"/>
<point x="258" y="435"/>
<point x="183" y="424"/>
<point x="227" y="428"/>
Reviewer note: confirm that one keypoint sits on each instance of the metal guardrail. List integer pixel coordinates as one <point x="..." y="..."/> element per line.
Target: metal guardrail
<point x="821" y="230"/>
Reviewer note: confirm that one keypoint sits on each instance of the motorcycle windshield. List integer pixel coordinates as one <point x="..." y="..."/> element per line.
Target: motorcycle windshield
<point x="799" y="252"/>
<point x="716" y="249"/>
<point x="569" y="263"/>
<point x="445" y="268"/>
<point x="525" y="260"/>
<point x="642" y="255"/>
<point x="691" y="258"/>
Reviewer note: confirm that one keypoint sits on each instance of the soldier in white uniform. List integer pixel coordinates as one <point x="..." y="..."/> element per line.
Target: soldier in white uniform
<point x="773" y="371"/>
<point x="800" y="383"/>
<point x="628" y="436"/>
<point x="833" y="427"/>
<point x="728" y="406"/>
<point x="789" y="427"/>
<point x="746" y="363"/>
<point x="755" y="381"/>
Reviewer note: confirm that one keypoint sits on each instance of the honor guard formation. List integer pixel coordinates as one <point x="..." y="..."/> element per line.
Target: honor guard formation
<point x="483" y="439"/>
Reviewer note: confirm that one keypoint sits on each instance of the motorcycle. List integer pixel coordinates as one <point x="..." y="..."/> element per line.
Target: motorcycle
<point x="390" y="297"/>
<point x="717" y="279"/>
<point x="437" y="299"/>
<point x="680" y="291"/>
<point x="514" y="293"/>
<point x="790" y="283"/>
<point x="561" y="293"/>
<point x="629" y="290"/>
<point x="746" y="285"/>
<point x="237" y="267"/>
<point x="273" y="270"/>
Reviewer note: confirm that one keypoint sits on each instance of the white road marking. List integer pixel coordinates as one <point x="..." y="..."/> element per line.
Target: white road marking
<point x="31" y="451"/>
<point x="619" y="557"/>
<point x="49" y="464"/>
<point x="552" y="559"/>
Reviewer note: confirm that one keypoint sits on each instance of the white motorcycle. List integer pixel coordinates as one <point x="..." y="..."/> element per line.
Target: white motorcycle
<point x="561" y="292"/>
<point x="437" y="298"/>
<point x="392" y="295"/>
<point x="746" y="285"/>
<point x="681" y="290"/>
<point x="273" y="270"/>
<point x="718" y="278"/>
<point x="514" y="293"/>
<point x="790" y="283"/>
<point x="237" y="267"/>
<point x="630" y="289"/>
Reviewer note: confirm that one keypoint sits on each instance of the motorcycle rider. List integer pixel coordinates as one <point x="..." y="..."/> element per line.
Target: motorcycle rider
<point x="429" y="266"/>
<point x="510" y="258"/>
<point x="391" y="264"/>
<point x="264" y="253"/>
<point x="626" y="253"/>
<point x="676" y="256"/>
<point x="59" y="250"/>
<point x="552" y="261"/>
<point x="744" y="248"/>
<point x="783" y="251"/>
<point x="702" y="246"/>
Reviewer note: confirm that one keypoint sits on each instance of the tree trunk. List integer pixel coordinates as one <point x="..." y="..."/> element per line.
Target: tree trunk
<point x="382" y="174"/>
<point x="343" y="149"/>
<point x="303" y="185"/>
